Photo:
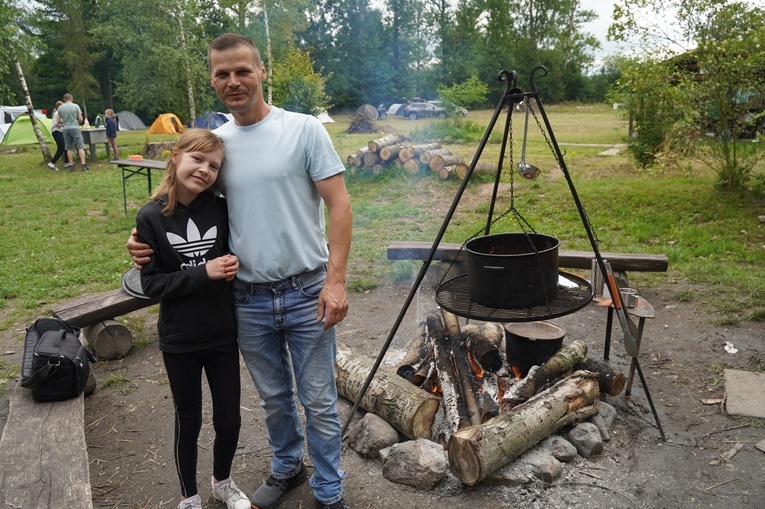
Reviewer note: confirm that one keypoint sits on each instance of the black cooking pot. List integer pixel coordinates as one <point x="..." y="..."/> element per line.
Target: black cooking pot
<point x="531" y="344"/>
<point x="512" y="270"/>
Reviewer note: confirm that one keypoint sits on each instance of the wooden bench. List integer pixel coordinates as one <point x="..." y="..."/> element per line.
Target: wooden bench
<point x="95" y="315"/>
<point x="43" y="454"/>
<point x="620" y="262"/>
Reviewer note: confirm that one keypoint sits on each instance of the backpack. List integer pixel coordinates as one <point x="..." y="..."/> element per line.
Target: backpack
<point x="55" y="364"/>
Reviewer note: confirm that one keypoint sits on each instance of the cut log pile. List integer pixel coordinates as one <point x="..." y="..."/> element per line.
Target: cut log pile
<point x="490" y="416"/>
<point x="396" y="151"/>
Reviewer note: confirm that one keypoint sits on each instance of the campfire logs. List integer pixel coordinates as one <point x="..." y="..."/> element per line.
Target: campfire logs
<point x="491" y="415"/>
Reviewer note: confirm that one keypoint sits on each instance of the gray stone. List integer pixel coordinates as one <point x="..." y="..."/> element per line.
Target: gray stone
<point x="419" y="463"/>
<point x="544" y="466"/>
<point x="371" y="434"/>
<point x="586" y="438"/>
<point x="560" y="448"/>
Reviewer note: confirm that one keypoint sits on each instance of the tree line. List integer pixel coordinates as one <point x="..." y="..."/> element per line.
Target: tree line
<point x="149" y="56"/>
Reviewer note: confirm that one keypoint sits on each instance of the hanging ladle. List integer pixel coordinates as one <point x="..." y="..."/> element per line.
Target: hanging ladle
<point x="527" y="170"/>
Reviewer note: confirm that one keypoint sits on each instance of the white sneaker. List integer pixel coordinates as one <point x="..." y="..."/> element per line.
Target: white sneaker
<point x="194" y="502"/>
<point x="226" y="491"/>
<point x="52" y="166"/>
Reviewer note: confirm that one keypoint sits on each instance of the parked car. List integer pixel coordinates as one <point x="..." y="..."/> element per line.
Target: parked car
<point x="451" y="108"/>
<point x="413" y="111"/>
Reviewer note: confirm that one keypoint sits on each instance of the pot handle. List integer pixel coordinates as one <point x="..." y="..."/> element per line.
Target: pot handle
<point x="490" y="268"/>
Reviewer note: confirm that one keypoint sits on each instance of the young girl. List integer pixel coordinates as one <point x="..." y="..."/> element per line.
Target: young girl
<point x="57" y="131"/>
<point x="189" y="272"/>
<point x="111" y="131"/>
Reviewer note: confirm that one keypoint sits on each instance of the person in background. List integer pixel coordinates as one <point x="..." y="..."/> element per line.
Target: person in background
<point x="111" y="131"/>
<point x="71" y="117"/>
<point x="381" y="113"/>
<point x="186" y="225"/>
<point x="289" y="293"/>
<point x="57" y="131"/>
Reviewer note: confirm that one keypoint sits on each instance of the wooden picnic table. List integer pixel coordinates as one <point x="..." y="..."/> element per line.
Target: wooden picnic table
<point x="131" y="168"/>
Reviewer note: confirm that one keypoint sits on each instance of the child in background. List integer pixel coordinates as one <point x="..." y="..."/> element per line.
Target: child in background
<point x="186" y="225"/>
<point x="111" y="131"/>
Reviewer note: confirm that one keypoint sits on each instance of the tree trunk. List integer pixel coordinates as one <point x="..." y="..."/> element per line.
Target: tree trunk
<point x="427" y="155"/>
<point x="446" y="172"/>
<point x="187" y="67"/>
<point x="611" y="382"/>
<point x="407" y="408"/>
<point x="370" y="159"/>
<point x="389" y="152"/>
<point x="412" y="166"/>
<point x="467" y="382"/>
<point x="414" y="151"/>
<point x="454" y="407"/>
<point x="28" y="101"/>
<point x="415" y="354"/>
<point x="477" y="451"/>
<point x="556" y="366"/>
<point x="391" y="139"/>
<point x="438" y="162"/>
<point x="358" y="157"/>
<point x="481" y="168"/>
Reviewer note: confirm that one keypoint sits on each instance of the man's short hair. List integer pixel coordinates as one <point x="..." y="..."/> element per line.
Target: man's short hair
<point x="230" y="41"/>
<point x="68" y="97"/>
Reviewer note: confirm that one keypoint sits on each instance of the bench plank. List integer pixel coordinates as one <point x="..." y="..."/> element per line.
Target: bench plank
<point x="43" y="454"/>
<point x="97" y="308"/>
<point x="570" y="259"/>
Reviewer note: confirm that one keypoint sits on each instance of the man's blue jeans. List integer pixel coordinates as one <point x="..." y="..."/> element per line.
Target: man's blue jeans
<point x="279" y="335"/>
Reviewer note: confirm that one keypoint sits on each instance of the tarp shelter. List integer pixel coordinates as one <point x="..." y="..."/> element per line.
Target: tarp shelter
<point x="166" y="123"/>
<point x="211" y="120"/>
<point x="129" y="121"/>
<point x="21" y="133"/>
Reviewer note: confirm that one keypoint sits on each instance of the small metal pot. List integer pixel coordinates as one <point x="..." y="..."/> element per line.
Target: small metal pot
<point x="531" y="344"/>
<point x="512" y="270"/>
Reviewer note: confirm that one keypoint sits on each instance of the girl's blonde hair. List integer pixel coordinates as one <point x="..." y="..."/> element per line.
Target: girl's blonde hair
<point x="193" y="140"/>
<point x="109" y="113"/>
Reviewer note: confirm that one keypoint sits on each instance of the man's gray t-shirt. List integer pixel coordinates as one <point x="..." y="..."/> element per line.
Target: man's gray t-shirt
<point x="70" y="115"/>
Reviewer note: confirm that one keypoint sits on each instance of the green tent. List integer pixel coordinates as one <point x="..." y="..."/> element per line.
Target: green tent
<point x="21" y="133"/>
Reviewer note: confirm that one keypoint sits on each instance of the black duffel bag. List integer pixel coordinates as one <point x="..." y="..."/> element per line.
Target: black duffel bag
<point x="55" y="365"/>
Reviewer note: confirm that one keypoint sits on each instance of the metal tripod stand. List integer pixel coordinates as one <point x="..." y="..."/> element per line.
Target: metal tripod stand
<point x="509" y="99"/>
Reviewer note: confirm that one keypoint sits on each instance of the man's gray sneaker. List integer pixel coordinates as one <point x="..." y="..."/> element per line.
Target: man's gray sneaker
<point x="270" y="493"/>
<point x="340" y="504"/>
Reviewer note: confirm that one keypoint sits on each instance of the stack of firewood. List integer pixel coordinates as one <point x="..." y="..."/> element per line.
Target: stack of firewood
<point x="492" y="416"/>
<point x="395" y="150"/>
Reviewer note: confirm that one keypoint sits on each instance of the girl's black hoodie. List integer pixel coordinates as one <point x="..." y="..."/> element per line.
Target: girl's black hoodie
<point x="195" y="312"/>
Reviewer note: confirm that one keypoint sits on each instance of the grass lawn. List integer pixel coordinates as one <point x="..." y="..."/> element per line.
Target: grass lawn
<point x="63" y="233"/>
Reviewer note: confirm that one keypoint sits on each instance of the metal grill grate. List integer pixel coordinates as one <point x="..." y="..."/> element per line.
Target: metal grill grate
<point x="453" y="295"/>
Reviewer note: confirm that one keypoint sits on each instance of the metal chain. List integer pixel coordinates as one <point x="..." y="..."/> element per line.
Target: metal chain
<point x="560" y="165"/>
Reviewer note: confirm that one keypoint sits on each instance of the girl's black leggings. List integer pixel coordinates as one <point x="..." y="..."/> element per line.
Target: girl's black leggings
<point x="58" y="137"/>
<point x="184" y="372"/>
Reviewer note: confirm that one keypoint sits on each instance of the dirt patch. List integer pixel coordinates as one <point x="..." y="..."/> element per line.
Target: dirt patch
<point x="129" y="421"/>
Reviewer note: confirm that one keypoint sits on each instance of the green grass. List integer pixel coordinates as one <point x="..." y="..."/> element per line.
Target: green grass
<point x="62" y="234"/>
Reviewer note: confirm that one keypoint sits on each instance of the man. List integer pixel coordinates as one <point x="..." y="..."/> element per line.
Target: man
<point x="289" y="292"/>
<point x="71" y="117"/>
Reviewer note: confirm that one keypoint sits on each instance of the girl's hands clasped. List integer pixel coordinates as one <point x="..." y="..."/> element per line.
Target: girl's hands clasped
<point x="223" y="267"/>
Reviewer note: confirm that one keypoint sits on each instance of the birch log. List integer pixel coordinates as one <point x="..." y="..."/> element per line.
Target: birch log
<point x="481" y="168"/>
<point x="391" y="139"/>
<point x="467" y="382"/>
<point x="412" y="166"/>
<point x="415" y="354"/>
<point x="389" y="152"/>
<point x="454" y="407"/>
<point x="610" y="381"/>
<point x="484" y="351"/>
<point x="556" y="366"/>
<point x="407" y="408"/>
<point x="477" y="451"/>
<point x="427" y="155"/>
<point x="414" y="151"/>
<point x="438" y="162"/>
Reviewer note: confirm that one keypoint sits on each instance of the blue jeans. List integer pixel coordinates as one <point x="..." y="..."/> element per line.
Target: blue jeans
<point x="279" y="335"/>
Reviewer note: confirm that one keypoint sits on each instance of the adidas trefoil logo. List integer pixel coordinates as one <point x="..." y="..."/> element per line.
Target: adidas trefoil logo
<point x="194" y="245"/>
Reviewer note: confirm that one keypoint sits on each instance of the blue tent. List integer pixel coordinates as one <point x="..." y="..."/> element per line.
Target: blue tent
<point x="211" y="120"/>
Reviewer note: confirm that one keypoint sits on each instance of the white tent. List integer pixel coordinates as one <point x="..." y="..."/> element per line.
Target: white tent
<point x="324" y="117"/>
<point x="9" y="113"/>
